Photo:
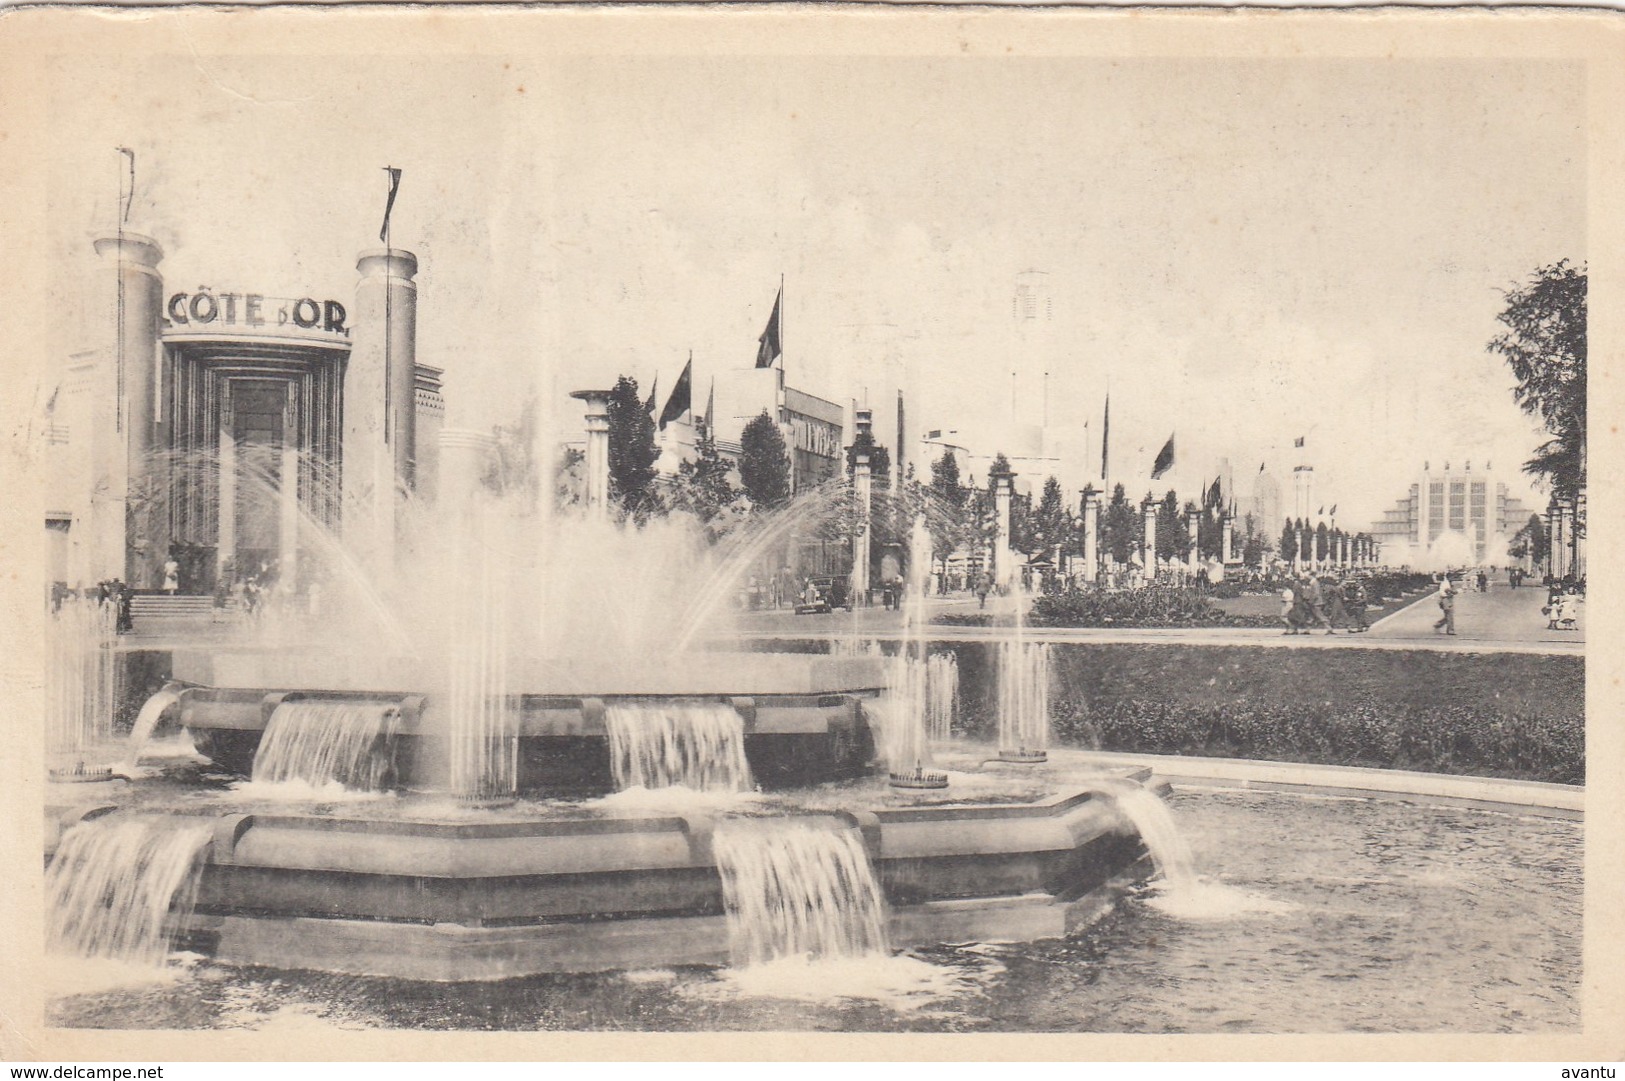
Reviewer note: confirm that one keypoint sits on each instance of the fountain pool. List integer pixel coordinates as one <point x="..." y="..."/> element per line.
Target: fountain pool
<point x="1326" y="915"/>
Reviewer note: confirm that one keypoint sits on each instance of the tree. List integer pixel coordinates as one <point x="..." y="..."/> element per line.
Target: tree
<point x="1531" y="542"/>
<point x="632" y="452"/>
<point x="701" y="487"/>
<point x="1120" y="527"/>
<point x="1253" y="544"/>
<point x="879" y="456"/>
<point x="1289" y="541"/>
<point x="1051" y="523"/>
<point x="764" y="462"/>
<point x="1545" y="345"/>
<point x="945" y="480"/>
<point x="1322" y="542"/>
<point x="569" y="478"/>
<point x="1173" y="539"/>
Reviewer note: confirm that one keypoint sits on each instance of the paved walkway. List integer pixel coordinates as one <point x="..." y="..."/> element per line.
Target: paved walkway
<point x="1503" y="615"/>
<point x="1503" y="620"/>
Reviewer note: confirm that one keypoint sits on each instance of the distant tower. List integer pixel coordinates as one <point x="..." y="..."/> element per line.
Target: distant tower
<point x="1267" y="501"/>
<point x="1032" y="314"/>
<point x="1303" y="492"/>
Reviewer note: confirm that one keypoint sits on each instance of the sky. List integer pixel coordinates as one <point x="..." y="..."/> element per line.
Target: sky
<point x="1240" y="252"/>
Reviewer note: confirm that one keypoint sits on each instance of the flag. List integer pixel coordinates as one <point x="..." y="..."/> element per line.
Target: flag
<point x="1261" y="467"/>
<point x="1298" y="442"/>
<point x="1334" y="510"/>
<point x="1215" y="495"/>
<point x="1105" y="439"/>
<point x="1321" y="512"/>
<point x="711" y="408"/>
<point x="768" y="347"/>
<point x="1165" y="459"/>
<point x="681" y="400"/>
<point x="389" y="204"/>
<point x="129" y="195"/>
<point x="649" y="406"/>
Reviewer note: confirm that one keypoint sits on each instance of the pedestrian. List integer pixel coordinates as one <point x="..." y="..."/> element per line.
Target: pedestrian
<point x="1483" y="581"/>
<point x="222" y="599"/>
<point x="124" y="597"/>
<point x="1302" y="613"/>
<point x="1354" y="598"/>
<point x="172" y="575"/>
<point x="1554" y="597"/>
<point x="1316" y="598"/>
<point x="984" y="585"/>
<point x="1288" y="611"/>
<point x="1336" y="610"/>
<point x="1447" y="606"/>
<point x="1568" y="609"/>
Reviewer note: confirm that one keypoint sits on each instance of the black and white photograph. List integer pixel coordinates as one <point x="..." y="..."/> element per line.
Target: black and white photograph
<point x="856" y="521"/>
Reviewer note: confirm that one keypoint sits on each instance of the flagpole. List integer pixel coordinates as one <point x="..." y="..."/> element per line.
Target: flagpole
<point x="389" y="284"/>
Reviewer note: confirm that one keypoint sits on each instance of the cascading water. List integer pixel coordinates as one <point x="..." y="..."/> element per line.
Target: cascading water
<point x="700" y="745"/>
<point x="1023" y="700"/>
<point x="1167" y="846"/>
<point x="152" y="711"/>
<point x="794" y="890"/>
<point x="941" y="694"/>
<point x="81" y="676"/>
<point x="118" y="887"/>
<point x="322" y="741"/>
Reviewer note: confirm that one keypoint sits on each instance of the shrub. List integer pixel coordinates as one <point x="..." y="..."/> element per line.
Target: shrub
<point x="1153" y="606"/>
<point x="1498" y="715"/>
<point x="1431" y="739"/>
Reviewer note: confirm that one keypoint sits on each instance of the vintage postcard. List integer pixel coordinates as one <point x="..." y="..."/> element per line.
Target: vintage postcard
<point x="1068" y="528"/>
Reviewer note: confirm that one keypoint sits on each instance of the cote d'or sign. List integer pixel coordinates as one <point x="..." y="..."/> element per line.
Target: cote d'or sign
<point x="205" y="307"/>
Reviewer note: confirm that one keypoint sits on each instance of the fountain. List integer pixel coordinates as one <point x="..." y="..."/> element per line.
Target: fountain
<point x="794" y="889"/>
<point x="115" y="886"/>
<point x="520" y="663"/>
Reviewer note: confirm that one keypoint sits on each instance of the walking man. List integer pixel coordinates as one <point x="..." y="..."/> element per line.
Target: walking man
<point x="1447" y="606"/>
<point x="1316" y="597"/>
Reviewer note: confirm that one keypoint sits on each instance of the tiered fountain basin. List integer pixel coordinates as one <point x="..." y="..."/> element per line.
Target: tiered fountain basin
<point x="503" y="895"/>
<point x="803" y="718"/>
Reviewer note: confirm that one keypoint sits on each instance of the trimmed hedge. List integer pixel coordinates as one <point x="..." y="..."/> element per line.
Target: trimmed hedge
<point x="1494" y="715"/>
<point x="1186" y="606"/>
<point x="1153" y="606"/>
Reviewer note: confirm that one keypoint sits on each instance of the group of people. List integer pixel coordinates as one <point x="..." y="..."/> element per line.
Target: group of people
<point x="250" y="591"/>
<point x="1562" y="607"/>
<point x="1310" y="602"/>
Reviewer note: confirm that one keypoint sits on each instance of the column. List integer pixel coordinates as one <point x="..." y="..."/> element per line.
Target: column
<point x="1148" y="541"/>
<point x="1577" y="531"/>
<point x="1004" y="558"/>
<point x="1193" y="523"/>
<point x="1227" y="537"/>
<point x="380" y="399"/>
<point x="226" y="531"/>
<point x="1091" y="535"/>
<point x="863" y="484"/>
<point x="133" y="287"/>
<point x="597" y="459"/>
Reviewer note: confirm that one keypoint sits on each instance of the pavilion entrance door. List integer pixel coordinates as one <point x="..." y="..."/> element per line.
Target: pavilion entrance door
<point x="259" y="481"/>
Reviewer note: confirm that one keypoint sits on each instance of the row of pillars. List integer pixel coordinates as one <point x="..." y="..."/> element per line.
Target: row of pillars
<point x="1352" y="551"/>
<point x="1564" y="529"/>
